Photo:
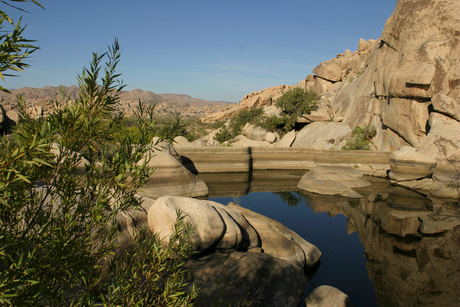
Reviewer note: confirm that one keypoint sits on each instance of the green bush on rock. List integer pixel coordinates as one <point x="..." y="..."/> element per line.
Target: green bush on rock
<point x="254" y="116"/>
<point x="360" y="138"/>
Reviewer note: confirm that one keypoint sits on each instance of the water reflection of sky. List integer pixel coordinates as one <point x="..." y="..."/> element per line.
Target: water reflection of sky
<point x="343" y="264"/>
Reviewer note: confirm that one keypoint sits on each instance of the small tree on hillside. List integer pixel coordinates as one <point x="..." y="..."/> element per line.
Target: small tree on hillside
<point x="294" y="103"/>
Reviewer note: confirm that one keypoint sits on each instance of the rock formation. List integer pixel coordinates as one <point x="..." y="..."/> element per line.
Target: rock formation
<point x="170" y="176"/>
<point x="243" y="255"/>
<point x="333" y="180"/>
<point x="327" y="296"/>
<point x="406" y="83"/>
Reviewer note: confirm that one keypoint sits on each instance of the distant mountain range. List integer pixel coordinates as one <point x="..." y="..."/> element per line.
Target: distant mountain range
<point x="40" y="101"/>
<point x="50" y="92"/>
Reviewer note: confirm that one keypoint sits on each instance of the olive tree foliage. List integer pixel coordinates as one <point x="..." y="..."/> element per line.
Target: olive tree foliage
<point x="14" y="48"/>
<point x="63" y="182"/>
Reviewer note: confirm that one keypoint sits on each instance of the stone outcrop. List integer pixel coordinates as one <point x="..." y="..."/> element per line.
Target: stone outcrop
<point x="211" y="226"/>
<point x="265" y="97"/>
<point x="322" y="136"/>
<point x="259" y="279"/>
<point x="407" y="164"/>
<point x="255" y="133"/>
<point x="406" y="83"/>
<point x="333" y="180"/>
<point x="170" y="176"/>
<point x="443" y="141"/>
<point x="239" y="250"/>
<point x="279" y="241"/>
<point x="231" y="228"/>
<point x="327" y="296"/>
<point x="258" y="255"/>
<point x="182" y="141"/>
<point x="409" y="67"/>
<point x="287" y="139"/>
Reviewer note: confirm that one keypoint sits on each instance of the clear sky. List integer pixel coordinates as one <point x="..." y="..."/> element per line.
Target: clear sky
<point x="214" y="49"/>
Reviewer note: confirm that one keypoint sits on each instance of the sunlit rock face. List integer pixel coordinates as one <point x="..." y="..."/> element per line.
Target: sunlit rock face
<point x="406" y="84"/>
<point x="416" y="59"/>
<point x="411" y="242"/>
<point x="170" y="176"/>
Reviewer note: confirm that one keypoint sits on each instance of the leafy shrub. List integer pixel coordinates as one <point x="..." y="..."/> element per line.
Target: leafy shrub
<point x="216" y="125"/>
<point x="275" y="123"/>
<point x="58" y="226"/>
<point x="189" y="127"/>
<point x="254" y="116"/>
<point x="294" y="103"/>
<point x="224" y="135"/>
<point x="360" y="138"/>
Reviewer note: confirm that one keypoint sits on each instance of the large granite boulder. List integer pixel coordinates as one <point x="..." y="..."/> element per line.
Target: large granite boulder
<point x="247" y="279"/>
<point x="408" y="164"/>
<point x="279" y="241"/>
<point x="333" y="180"/>
<point x="321" y="135"/>
<point x="208" y="226"/>
<point x="443" y="141"/>
<point x="327" y="296"/>
<point x="242" y="141"/>
<point x="245" y="257"/>
<point x="255" y="133"/>
<point x="329" y="71"/>
<point x="446" y="105"/>
<point x="170" y="176"/>
<point x="265" y="97"/>
<point x="182" y="141"/>
<point x="286" y="140"/>
<point x="407" y="117"/>
<point x="271" y="137"/>
<point x="215" y="226"/>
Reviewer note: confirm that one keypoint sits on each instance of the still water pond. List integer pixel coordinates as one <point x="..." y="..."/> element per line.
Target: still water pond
<point x="394" y="247"/>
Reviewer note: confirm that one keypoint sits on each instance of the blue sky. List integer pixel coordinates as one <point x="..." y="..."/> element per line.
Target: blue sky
<point x="215" y="50"/>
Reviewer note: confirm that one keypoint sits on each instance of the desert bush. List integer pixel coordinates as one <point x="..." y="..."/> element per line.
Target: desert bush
<point x="360" y="138"/>
<point x="224" y="135"/>
<point x="254" y="116"/>
<point x="58" y="225"/>
<point x="191" y="128"/>
<point x="294" y="103"/>
<point x="14" y="48"/>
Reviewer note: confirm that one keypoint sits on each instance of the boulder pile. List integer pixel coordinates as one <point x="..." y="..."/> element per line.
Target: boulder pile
<point x="240" y="251"/>
<point x="406" y="84"/>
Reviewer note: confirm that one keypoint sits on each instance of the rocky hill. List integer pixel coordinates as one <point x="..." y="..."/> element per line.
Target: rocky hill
<point x="406" y="83"/>
<point x="41" y="100"/>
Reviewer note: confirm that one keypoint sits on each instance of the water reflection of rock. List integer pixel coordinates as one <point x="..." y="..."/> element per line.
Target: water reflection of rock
<point x="412" y="243"/>
<point x="240" y="184"/>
